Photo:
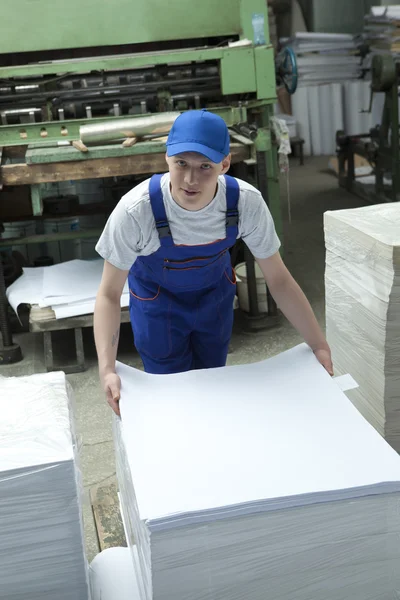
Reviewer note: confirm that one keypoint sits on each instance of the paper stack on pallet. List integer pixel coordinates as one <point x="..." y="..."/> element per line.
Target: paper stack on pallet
<point x="41" y="533"/>
<point x="256" y="481"/>
<point x="65" y="290"/>
<point x="382" y="29"/>
<point x="362" y="284"/>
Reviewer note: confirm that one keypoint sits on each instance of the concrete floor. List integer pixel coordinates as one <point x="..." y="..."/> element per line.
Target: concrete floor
<point x="313" y="190"/>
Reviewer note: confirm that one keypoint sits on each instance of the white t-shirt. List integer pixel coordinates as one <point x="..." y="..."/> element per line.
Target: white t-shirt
<point x="131" y="230"/>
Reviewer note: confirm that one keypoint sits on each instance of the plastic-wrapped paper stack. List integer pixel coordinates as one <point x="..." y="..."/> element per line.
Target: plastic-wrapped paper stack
<point x="256" y="480"/>
<point x="42" y="553"/>
<point x="362" y="282"/>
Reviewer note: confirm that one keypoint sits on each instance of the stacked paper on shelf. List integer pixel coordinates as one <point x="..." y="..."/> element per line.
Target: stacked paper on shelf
<point x="255" y="480"/>
<point x="382" y="29"/>
<point x="362" y="283"/>
<point x="68" y="289"/>
<point x="41" y="534"/>
<point x="325" y="57"/>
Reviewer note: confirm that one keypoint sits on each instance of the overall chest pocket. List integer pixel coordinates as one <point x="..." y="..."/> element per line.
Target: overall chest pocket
<point x="195" y="273"/>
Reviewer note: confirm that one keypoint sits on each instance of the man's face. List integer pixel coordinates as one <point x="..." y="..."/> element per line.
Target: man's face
<point x="194" y="178"/>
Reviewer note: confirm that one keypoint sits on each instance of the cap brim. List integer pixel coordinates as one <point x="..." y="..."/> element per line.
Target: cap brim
<point x="213" y="155"/>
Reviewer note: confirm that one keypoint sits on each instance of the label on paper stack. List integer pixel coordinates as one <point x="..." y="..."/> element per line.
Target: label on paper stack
<point x="362" y="282"/>
<point x="255" y="481"/>
<point x="41" y="533"/>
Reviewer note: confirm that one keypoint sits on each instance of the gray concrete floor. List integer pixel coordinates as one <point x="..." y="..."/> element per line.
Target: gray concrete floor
<point x="313" y="190"/>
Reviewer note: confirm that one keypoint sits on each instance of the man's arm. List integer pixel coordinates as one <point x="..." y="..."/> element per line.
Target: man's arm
<point x="295" y="306"/>
<point x="107" y="319"/>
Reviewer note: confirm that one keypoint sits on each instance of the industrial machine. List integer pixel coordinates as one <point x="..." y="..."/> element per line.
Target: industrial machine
<point x="380" y="146"/>
<point x="66" y="68"/>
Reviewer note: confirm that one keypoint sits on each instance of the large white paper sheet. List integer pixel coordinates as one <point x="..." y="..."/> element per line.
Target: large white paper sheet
<point x="275" y="434"/>
<point x="74" y="277"/>
<point x="83" y="308"/>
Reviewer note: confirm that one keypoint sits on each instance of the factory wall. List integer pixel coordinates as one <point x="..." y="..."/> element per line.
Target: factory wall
<point x="334" y="16"/>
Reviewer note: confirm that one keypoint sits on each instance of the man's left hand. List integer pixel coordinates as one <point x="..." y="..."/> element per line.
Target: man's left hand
<point x="324" y="357"/>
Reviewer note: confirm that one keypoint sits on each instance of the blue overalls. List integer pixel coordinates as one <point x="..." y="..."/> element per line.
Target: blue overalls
<point x="181" y="297"/>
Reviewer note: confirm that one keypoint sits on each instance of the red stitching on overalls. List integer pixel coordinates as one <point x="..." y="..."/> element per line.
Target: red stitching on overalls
<point x="146" y="299"/>
<point x="234" y="277"/>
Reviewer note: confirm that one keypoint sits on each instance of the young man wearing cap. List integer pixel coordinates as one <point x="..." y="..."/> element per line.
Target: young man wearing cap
<point x="171" y="236"/>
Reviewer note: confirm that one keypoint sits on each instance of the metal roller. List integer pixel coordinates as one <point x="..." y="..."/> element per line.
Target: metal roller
<point x="124" y="128"/>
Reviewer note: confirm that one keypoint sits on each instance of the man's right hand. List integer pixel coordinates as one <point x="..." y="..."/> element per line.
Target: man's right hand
<point x="112" y="388"/>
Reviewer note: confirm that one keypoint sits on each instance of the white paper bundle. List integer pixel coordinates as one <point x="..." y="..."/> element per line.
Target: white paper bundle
<point x="362" y="282"/>
<point x="69" y="288"/>
<point x="41" y="534"/>
<point x="256" y="481"/>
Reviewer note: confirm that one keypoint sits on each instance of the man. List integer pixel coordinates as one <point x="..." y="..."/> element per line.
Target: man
<point x="170" y="236"/>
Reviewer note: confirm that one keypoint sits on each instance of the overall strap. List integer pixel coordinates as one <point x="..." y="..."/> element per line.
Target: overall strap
<point x="158" y="208"/>
<point x="232" y="212"/>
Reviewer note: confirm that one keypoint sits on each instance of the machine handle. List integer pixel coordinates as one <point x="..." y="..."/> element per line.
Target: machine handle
<point x="286" y="69"/>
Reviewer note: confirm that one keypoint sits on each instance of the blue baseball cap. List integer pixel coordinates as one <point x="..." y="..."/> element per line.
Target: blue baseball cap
<point x="199" y="131"/>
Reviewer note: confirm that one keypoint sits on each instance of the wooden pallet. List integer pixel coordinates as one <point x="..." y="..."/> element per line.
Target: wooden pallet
<point x="107" y="516"/>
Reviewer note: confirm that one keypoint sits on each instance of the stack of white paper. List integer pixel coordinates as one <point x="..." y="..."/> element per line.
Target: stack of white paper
<point x="363" y="308"/>
<point x="256" y="481"/>
<point x="325" y="57"/>
<point x="69" y="288"/>
<point x="382" y="29"/>
<point x="41" y="534"/>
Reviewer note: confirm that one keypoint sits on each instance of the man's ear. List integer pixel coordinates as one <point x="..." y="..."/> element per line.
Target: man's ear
<point x="226" y="163"/>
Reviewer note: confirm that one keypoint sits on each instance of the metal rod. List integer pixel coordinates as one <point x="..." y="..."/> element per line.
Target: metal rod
<point x="251" y="283"/>
<point x="262" y="177"/>
<point x="68" y="94"/>
<point x="5" y="327"/>
<point x="135" y="127"/>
